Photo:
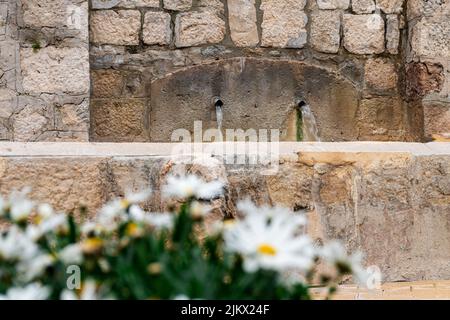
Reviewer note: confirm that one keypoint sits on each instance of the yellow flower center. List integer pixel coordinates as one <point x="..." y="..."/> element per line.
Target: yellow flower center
<point x="267" y="249"/>
<point x="124" y="203"/>
<point x="188" y="191"/>
<point x="92" y="245"/>
<point x="133" y="230"/>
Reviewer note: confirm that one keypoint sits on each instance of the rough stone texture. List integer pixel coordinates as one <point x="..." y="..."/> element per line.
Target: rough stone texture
<point x="436" y="119"/>
<point x="392" y="34"/>
<point x="119" y="27"/>
<point x="390" y="6"/>
<point x="325" y="31"/>
<point x="333" y="4"/>
<point x="242" y="17"/>
<point x="249" y="100"/>
<point x="55" y="70"/>
<point x="364" y="34"/>
<point x="156" y="29"/>
<point x="380" y="74"/>
<point x="393" y="205"/>
<point x="72" y="182"/>
<point x="363" y="6"/>
<point x="118" y="119"/>
<point x="429" y="39"/>
<point x="424" y="78"/>
<point x="44" y="66"/>
<point x="284" y="24"/>
<point x="197" y="28"/>
<point x="380" y="119"/>
<point x="108" y="4"/>
<point x="177" y="5"/>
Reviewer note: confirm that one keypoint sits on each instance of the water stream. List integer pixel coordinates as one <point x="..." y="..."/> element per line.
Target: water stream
<point x="309" y="124"/>
<point x="219" y="117"/>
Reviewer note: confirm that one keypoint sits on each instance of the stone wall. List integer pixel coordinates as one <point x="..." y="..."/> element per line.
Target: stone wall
<point x="391" y="200"/>
<point x="44" y="70"/>
<point x="428" y="63"/>
<point x="394" y="53"/>
<point x="361" y="41"/>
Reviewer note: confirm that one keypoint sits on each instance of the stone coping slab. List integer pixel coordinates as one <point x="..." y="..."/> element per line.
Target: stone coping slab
<point x="75" y="149"/>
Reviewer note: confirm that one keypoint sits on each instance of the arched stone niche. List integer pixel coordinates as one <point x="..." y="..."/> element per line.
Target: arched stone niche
<point x="257" y="94"/>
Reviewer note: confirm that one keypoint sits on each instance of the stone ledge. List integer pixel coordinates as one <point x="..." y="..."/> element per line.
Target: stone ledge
<point x="390" y="200"/>
<point x="75" y="149"/>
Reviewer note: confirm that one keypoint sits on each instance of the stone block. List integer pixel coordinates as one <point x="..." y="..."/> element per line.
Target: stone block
<point x="242" y="18"/>
<point x="55" y="70"/>
<point x="436" y="119"/>
<point x="363" y="6"/>
<point x="284" y="24"/>
<point x="177" y="5"/>
<point x="117" y="120"/>
<point x="119" y="27"/>
<point x="364" y="34"/>
<point x="325" y="31"/>
<point x="392" y="33"/>
<point x="156" y="29"/>
<point x="390" y="6"/>
<point x="198" y="28"/>
<point x="380" y="75"/>
<point x="333" y="4"/>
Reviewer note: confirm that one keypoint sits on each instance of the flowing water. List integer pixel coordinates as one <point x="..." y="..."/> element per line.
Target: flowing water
<point x="309" y="124"/>
<point x="219" y="117"/>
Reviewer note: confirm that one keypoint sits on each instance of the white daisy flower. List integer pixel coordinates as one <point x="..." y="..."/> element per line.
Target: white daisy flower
<point x="199" y="210"/>
<point x="192" y="186"/>
<point x="35" y="267"/>
<point x="335" y="254"/>
<point x="139" y="197"/>
<point x="160" y="220"/>
<point x="16" y="246"/>
<point x="71" y="254"/>
<point x="271" y="242"/>
<point x="20" y="206"/>
<point x="33" y="291"/>
<point x="45" y="211"/>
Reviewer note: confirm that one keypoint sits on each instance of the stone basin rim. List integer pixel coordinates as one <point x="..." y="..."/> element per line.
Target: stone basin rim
<point x="94" y="149"/>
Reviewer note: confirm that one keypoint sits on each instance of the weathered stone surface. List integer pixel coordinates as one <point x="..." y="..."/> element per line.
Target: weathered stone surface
<point x="55" y="70"/>
<point x="325" y="31"/>
<point x="380" y="119"/>
<point x="250" y="99"/>
<point x="156" y="29"/>
<point x="436" y="118"/>
<point x="424" y="78"/>
<point x="390" y="6"/>
<point x="197" y="28"/>
<point x="72" y="117"/>
<point x="115" y="27"/>
<point x="55" y="13"/>
<point x="431" y="39"/>
<point x="392" y="33"/>
<point x="363" y="6"/>
<point x="106" y="83"/>
<point x="380" y="74"/>
<point x="392" y="205"/>
<point x="108" y="4"/>
<point x="284" y="24"/>
<point x="32" y="120"/>
<point x="118" y="119"/>
<point x="177" y="5"/>
<point x="242" y="17"/>
<point x="333" y="4"/>
<point x="364" y="34"/>
<point x="3" y="17"/>
<point x="66" y="183"/>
